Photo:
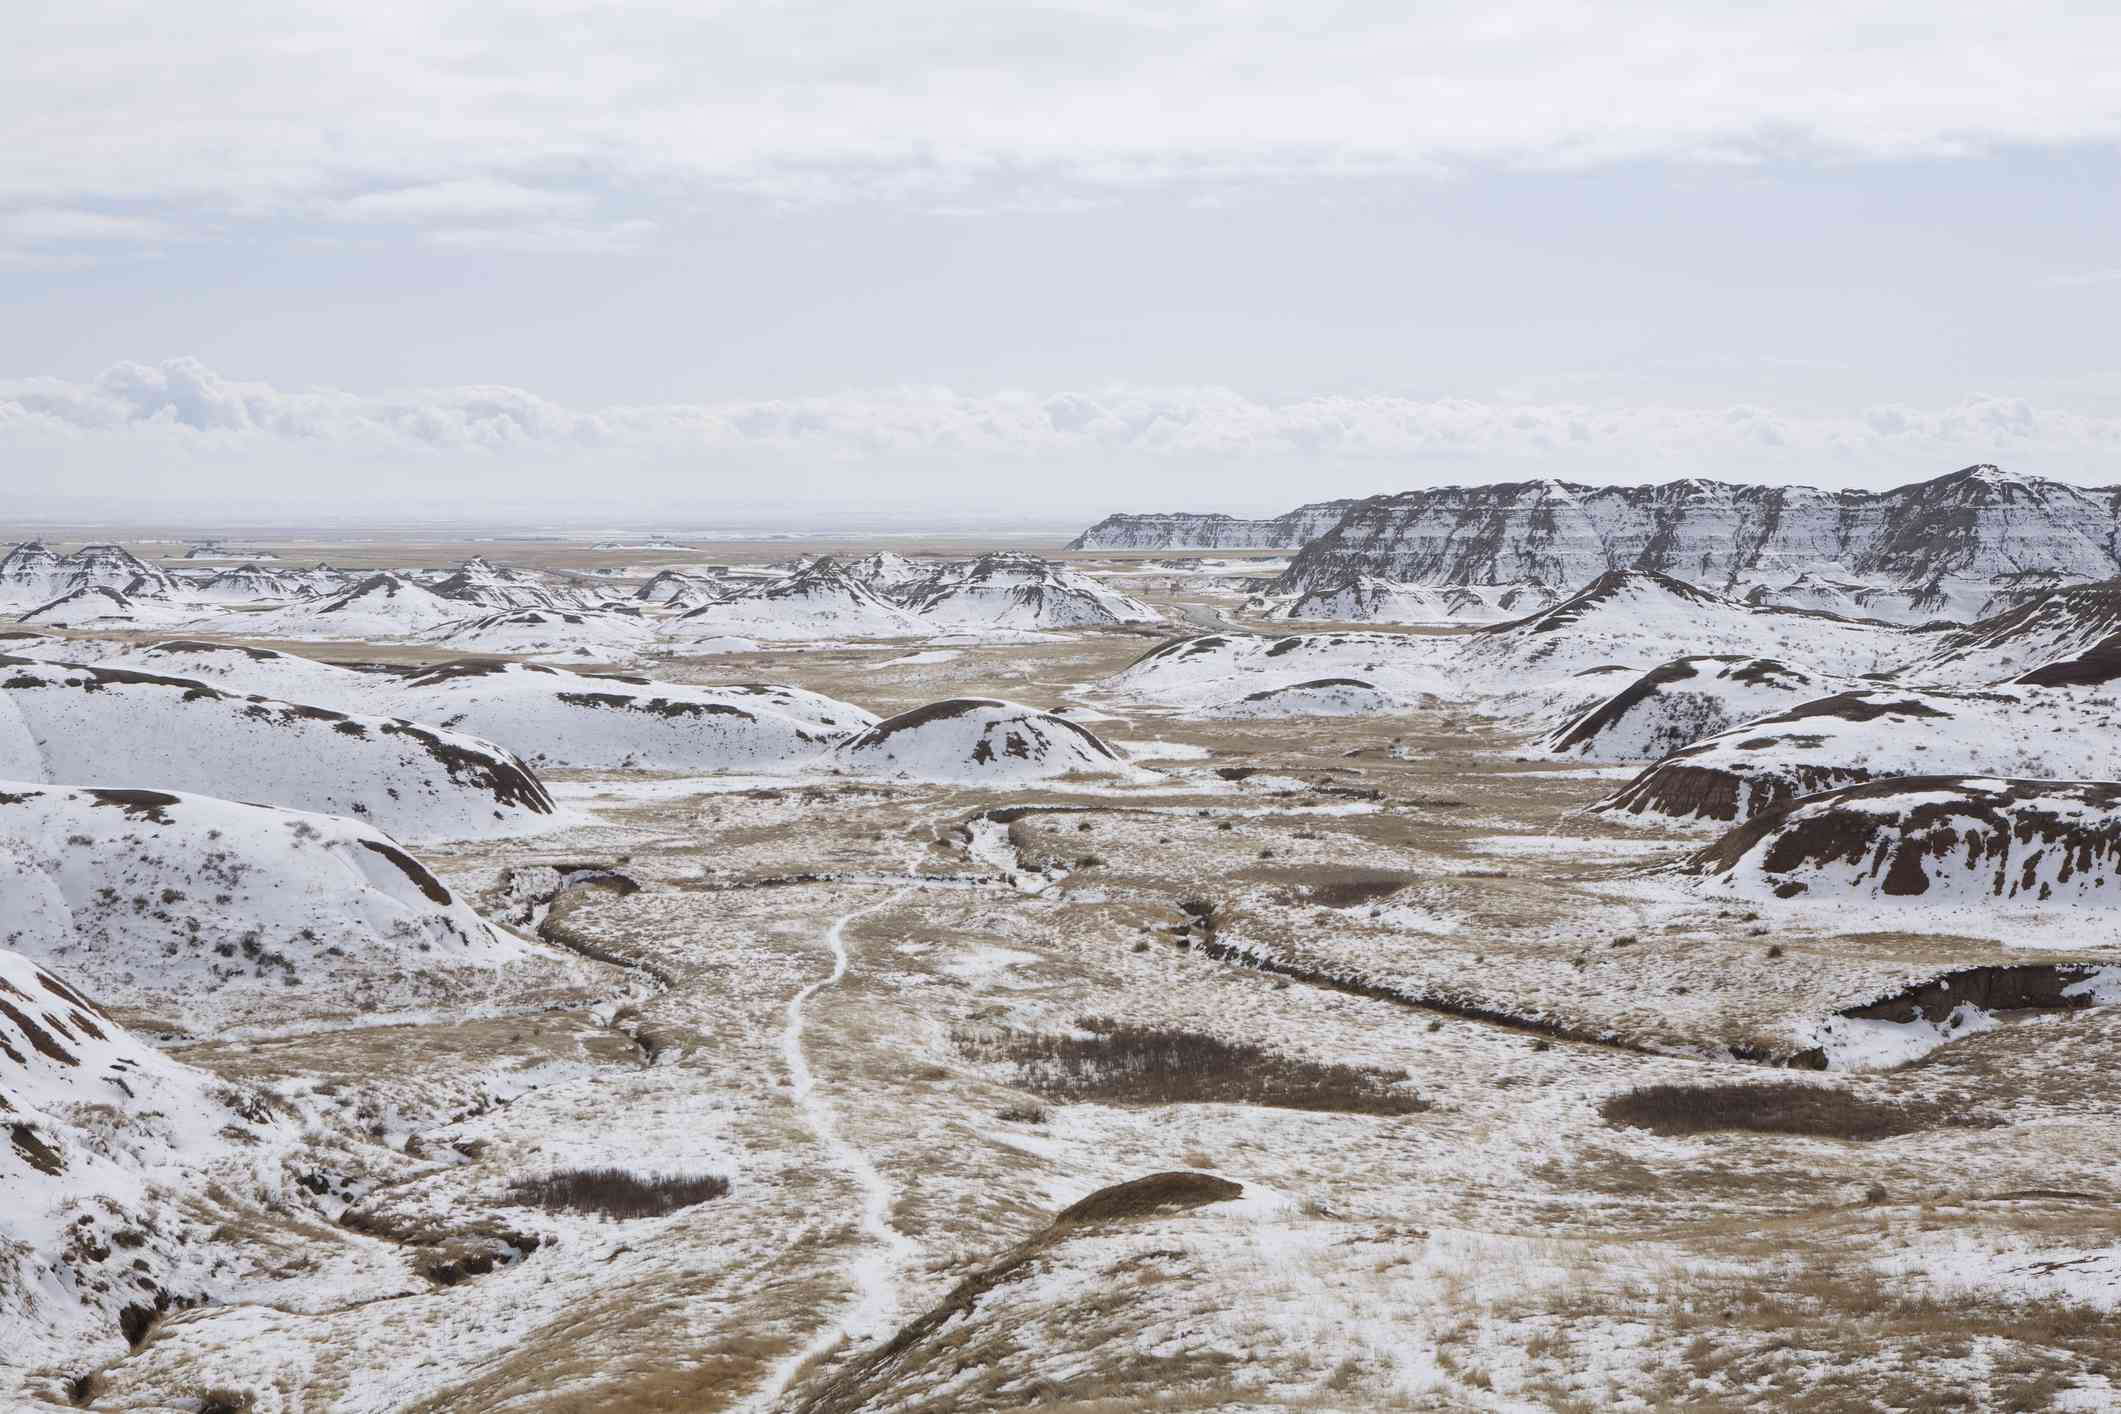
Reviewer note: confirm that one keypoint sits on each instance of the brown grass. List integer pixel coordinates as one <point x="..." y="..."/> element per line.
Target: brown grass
<point x="616" y="1192"/>
<point x="1124" y="1064"/>
<point x="1814" y="1111"/>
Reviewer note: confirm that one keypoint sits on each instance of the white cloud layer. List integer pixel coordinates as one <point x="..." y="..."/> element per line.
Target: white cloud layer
<point x="180" y="429"/>
<point x="381" y="109"/>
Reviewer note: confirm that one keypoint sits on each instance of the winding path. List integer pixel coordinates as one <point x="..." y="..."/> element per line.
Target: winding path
<point x="875" y="1269"/>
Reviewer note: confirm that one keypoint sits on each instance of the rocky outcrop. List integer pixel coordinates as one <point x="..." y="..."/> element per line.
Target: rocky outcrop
<point x="1979" y="524"/>
<point x="1180" y="530"/>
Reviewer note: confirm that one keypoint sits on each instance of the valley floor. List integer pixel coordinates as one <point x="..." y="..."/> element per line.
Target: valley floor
<point x="857" y="1002"/>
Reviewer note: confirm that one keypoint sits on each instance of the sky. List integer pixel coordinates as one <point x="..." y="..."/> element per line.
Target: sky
<point x="631" y="259"/>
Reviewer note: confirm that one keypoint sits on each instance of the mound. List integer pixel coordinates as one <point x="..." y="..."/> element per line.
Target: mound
<point x="491" y="586"/>
<point x="1938" y="838"/>
<point x="886" y="573"/>
<point x="592" y="635"/>
<point x="62" y="724"/>
<point x="669" y="586"/>
<point x="1369" y="599"/>
<point x="99" y="608"/>
<point x="1680" y="702"/>
<point x="1637" y="618"/>
<point x="977" y="740"/>
<point x="559" y="718"/>
<point x="203" y="911"/>
<point x="1214" y="669"/>
<point x="1022" y="591"/>
<point x="29" y="573"/>
<point x="1321" y="697"/>
<point x="241" y="669"/>
<point x="1852" y="737"/>
<point x="545" y="715"/>
<point x="817" y="601"/>
<point x="246" y="584"/>
<point x="2045" y="629"/>
<point x="382" y="606"/>
<point x="91" y="1235"/>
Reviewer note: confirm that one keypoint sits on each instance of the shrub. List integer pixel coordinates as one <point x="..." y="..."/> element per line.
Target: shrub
<point x="1125" y="1064"/>
<point x="616" y="1192"/>
<point x="1024" y="1114"/>
<point x="1782" y="1107"/>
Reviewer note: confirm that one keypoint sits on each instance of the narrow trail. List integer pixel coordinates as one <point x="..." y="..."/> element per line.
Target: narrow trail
<point x="876" y="1269"/>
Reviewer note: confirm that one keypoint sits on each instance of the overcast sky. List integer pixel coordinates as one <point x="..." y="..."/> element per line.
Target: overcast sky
<point x="1087" y="255"/>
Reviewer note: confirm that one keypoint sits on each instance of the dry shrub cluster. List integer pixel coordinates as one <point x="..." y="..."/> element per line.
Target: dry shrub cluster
<point x="1815" y="1111"/>
<point x="1123" y="1064"/>
<point x="617" y="1192"/>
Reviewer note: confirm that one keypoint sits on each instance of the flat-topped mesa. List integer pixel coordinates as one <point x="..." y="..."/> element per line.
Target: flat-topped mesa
<point x="1978" y="525"/>
<point x="1182" y="530"/>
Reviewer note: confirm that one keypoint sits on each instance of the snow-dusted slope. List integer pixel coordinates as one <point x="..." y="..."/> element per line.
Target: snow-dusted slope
<point x="102" y="1127"/>
<point x="977" y="741"/>
<point x="1368" y="599"/>
<point x="245" y="584"/>
<point x="382" y="606"/>
<point x="2042" y="630"/>
<point x="1215" y="671"/>
<point x="557" y="718"/>
<point x="1021" y="591"/>
<point x="204" y="911"/>
<point x="819" y="601"/>
<point x="1976" y="841"/>
<point x="100" y="608"/>
<point x="1318" y="697"/>
<point x="237" y="668"/>
<point x="1181" y="530"/>
<point x="1850" y="737"/>
<point x="545" y="715"/>
<point x="668" y="586"/>
<point x="584" y="635"/>
<point x="1644" y="619"/>
<point x="887" y="573"/>
<point x="29" y="574"/>
<point x="1678" y="703"/>
<point x="111" y="727"/>
<point x="485" y="585"/>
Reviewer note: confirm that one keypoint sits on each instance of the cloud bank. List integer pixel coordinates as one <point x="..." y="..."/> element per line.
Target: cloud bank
<point x="178" y="428"/>
<point x="570" y="118"/>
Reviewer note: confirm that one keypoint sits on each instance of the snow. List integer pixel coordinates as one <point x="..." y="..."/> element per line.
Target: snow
<point x="208" y="912"/>
<point x="977" y="741"/>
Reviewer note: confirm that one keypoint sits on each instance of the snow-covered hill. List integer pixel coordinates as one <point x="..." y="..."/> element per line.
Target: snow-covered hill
<point x="245" y="584"/>
<point x="101" y="608"/>
<point x="1369" y="599"/>
<point x="584" y="635"/>
<point x="1851" y="737"/>
<point x="69" y="725"/>
<point x="206" y="912"/>
<point x="1643" y="619"/>
<point x="557" y="718"/>
<point x="2044" y="629"/>
<point x="1218" y="671"/>
<point x="820" y="601"/>
<point x="977" y="741"/>
<point x="545" y="715"/>
<point x="382" y="607"/>
<point x="1678" y="703"/>
<point x="1021" y="591"/>
<point x="1976" y="841"/>
<point x="103" y="1128"/>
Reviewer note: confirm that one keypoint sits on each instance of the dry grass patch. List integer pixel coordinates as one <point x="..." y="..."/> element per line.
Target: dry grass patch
<point x="1123" y="1064"/>
<point x="1813" y="1111"/>
<point x="616" y="1192"/>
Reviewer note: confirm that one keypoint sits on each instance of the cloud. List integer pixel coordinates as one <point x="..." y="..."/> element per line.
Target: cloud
<point x="433" y="113"/>
<point x="181" y="424"/>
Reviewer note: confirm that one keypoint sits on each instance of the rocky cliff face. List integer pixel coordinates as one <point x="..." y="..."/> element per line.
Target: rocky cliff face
<point x="1184" y="531"/>
<point x="1979" y="526"/>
